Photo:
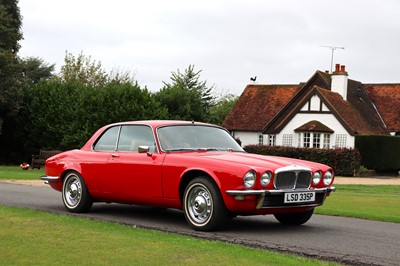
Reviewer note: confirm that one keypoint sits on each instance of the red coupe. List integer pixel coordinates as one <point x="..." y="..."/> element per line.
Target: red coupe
<point x="192" y="166"/>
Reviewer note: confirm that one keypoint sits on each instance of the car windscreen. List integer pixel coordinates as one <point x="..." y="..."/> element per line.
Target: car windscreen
<point x="196" y="137"/>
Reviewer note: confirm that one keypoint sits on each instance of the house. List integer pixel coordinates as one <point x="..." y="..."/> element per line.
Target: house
<point x="327" y="111"/>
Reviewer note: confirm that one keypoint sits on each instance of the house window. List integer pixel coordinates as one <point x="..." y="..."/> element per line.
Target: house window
<point x="306" y="140"/>
<point x="341" y="140"/>
<point x="271" y="140"/>
<point x="327" y="141"/>
<point x="260" y="139"/>
<point x="316" y="140"/>
<point x="287" y="140"/>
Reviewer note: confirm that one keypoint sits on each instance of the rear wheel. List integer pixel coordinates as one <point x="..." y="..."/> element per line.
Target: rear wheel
<point x="203" y="205"/>
<point x="296" y="218"/>
<point x="75" y="194"/>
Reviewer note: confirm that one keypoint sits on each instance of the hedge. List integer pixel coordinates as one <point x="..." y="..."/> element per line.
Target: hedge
<point x="379" y="152"/>
<point x="345" y="162"/>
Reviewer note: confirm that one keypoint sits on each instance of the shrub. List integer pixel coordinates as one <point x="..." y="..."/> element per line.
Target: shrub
<point x="344" y="161"/>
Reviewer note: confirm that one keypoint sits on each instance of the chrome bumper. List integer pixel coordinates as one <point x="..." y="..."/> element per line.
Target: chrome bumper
<point x="48" y="179"/>
<point x="265" y="195"/>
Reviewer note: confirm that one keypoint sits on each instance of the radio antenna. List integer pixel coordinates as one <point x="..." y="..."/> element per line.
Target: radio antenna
<point x="333" y="48"/>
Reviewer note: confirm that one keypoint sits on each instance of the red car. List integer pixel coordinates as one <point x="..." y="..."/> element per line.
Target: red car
<point x="192" y="166"/>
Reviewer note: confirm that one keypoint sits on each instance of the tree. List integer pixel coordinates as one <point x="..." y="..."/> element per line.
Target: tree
<point x="35" y="69"/>
<point x="186" y="97"/>
<point x="10" y="35"/>
<point x="221" y="108"/>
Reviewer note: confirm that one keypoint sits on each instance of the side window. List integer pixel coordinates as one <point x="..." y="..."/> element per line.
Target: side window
<point x="133" y="136"/>
<point x="107" y="141"/>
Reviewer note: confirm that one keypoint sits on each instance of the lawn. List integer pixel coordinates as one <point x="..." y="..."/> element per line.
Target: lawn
<point x="15" y="172"/>
<point x="30" y="237"/>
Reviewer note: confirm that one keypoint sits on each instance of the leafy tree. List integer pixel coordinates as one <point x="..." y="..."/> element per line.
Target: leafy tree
<point x="221" y="108"/>
<point x="10" y="35"/>
<point x="35" y="69"/>
<point x="186" y="97"/>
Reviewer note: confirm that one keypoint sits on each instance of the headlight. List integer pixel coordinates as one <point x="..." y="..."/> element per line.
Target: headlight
<point x="265" y="179"/>
<point x="316" y="177"/>
<point x="328" y="178"/>
<point x="249" y="179"/>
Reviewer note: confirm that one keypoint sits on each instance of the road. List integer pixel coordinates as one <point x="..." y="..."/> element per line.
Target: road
<point x="350" y="241"/>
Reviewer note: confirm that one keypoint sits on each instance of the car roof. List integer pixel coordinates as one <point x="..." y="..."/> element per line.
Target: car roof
<point x="158" y="123"/>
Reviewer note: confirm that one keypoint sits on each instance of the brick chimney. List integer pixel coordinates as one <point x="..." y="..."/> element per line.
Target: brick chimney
<point x="339" y="81"/>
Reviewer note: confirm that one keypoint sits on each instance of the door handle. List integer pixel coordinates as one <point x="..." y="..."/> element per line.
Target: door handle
<point x="113" y="155"/>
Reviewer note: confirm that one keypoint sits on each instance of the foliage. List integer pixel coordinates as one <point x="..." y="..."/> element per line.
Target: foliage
<point x="379" y="152"/>
<point x="344" y="161"/>
<point x="186" y="97"/>
<point x="10" y="35"/>
<point x="221" y="108"/>
<point x="35" y="69"/>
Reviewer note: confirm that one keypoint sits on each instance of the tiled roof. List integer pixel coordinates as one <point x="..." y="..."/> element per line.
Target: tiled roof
<point x="268" y="108"/>
<point x="257" y="105"/>
<point x="386" y="98"/>
<point x="314" y="126"/>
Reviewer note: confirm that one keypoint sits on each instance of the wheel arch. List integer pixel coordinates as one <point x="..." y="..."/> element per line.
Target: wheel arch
<point x="190" y="175"/>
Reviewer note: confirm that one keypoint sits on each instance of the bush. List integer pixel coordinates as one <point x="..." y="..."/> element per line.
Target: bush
<point x="379" y="152"/>
<point x="345" y="162"/>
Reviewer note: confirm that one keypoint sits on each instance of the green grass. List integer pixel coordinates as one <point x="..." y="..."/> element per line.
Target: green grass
<point x="29" y="237"/>
<point x="15" y="172"/>
<point x="378" y="202"/>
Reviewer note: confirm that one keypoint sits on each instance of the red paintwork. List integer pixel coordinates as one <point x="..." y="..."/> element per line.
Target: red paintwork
<point x="155" y="179"/>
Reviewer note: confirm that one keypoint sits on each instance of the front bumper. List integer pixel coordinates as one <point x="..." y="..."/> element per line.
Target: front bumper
<point x="275" y="198"/>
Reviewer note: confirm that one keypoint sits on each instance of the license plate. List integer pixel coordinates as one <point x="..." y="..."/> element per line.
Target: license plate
<point x="296" y="197"/>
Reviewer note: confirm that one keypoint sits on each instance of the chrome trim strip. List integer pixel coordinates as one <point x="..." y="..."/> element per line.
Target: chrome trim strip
<point x="47" y="179"/>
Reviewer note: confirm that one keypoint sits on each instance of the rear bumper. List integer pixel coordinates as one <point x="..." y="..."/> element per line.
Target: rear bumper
<point x="275" y="198"/>
<point x="48" y="179"/>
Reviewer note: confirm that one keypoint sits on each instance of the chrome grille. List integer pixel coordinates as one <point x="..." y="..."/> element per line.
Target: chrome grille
<point x="292" y="180"/>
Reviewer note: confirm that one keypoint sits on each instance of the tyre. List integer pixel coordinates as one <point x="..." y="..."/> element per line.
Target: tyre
<point x="75" y="195"/>
<point x="296" y="218"/>
<point x="203" y="205"/>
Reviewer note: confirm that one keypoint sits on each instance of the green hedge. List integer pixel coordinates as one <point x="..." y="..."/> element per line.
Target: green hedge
<point x="345" y="162"/>
<point x="379" y="152"/>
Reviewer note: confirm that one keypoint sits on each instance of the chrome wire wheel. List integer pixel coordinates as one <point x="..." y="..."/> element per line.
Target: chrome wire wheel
<point x="72" y="190"/>
<point x="199" y="204"/>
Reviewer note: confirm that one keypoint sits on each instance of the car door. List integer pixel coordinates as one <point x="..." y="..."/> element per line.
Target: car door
<point x="133" y="176"/>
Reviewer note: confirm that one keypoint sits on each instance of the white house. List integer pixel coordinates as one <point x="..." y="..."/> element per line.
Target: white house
<point x="327" y="111"/>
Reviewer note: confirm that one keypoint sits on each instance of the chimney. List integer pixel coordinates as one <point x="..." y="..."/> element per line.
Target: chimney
<point x="339" y="81"/>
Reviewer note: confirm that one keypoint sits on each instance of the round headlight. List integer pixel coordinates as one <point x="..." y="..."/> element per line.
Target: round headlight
<point x="328" y="178"/>
<point x="249" y="179"/>
<point x="316" y="177"/>
<point x="265" y="179"/>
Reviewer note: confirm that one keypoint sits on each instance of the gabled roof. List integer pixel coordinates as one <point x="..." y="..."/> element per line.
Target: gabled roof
<point x="314" y="126"/>
<point x="257" y="105"/>
<point x="268" y="108"/>
<point x="386" y="98"/>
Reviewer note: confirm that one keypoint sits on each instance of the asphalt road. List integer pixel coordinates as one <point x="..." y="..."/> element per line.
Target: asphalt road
<point x="350" y="241"/>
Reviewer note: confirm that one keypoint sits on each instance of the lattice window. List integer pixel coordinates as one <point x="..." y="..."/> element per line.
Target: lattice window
<point x="341" y="140"/>
<point x="272" y="140"/>
<point x="306" y="140"/>
<point x="327" y="141"/>
<point x="316" y="140"/>
<point x="260" y="139"/>
<point x="287" y="140"/>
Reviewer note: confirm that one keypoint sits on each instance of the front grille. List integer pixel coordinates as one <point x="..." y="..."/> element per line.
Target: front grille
<point x="292" y="180"/>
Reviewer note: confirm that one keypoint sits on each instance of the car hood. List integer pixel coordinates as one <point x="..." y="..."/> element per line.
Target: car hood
<point x="255" y="160"/>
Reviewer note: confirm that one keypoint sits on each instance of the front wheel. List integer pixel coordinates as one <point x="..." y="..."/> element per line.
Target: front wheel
<point x="203" y="205"/>
<point x="296" y="218"/>
<point x="75" y="194"/>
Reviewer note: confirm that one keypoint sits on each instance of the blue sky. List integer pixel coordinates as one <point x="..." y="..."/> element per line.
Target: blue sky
<point x="279" y="41"/>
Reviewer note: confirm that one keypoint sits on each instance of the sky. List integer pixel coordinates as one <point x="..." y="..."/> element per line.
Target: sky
<point x="229" y="41"/>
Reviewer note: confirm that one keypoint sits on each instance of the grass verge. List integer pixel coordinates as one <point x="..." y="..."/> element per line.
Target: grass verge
<point x="378" y="202"/>
<point x="15" y="172"/>
<point x="30" y="237"/>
